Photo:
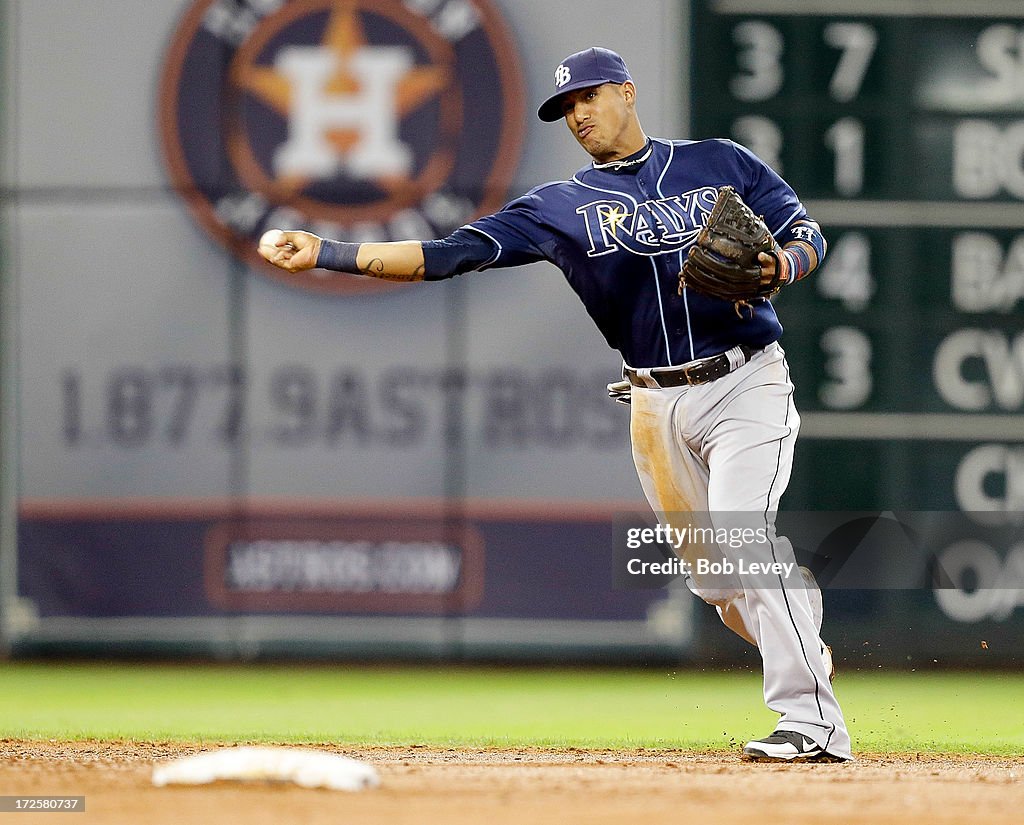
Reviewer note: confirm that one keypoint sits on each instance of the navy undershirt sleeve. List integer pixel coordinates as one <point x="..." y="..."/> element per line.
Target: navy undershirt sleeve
<point x="462" y="251"/>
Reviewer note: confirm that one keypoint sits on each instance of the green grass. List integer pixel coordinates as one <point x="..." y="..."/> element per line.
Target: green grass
<point x="448" y="706"/>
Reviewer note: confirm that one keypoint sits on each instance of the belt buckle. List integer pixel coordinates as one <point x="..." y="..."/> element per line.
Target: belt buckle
<point x="686" y="372"/>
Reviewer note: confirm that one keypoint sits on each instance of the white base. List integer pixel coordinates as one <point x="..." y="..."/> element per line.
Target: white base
<point x="307" y="768"/>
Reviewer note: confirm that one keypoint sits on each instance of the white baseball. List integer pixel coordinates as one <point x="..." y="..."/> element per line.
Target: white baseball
<point x="269" y="241"/>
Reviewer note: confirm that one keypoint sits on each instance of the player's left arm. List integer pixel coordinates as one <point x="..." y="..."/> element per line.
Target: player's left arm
<point x="801" y="249"/>
<point x="800" y="244"/>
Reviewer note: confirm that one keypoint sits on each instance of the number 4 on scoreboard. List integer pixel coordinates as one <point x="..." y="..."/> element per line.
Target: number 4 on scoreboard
<point x="845" y="275"/>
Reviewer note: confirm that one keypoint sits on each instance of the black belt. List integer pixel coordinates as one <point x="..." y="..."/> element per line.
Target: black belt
<point x="700" y="371"/>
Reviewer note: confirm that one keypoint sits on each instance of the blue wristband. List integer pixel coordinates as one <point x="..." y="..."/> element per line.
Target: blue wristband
<point x="338" y="255"/>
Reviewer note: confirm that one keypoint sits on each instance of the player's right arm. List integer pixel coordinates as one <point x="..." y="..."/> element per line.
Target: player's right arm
<point x="395" y="261"/>
<point x="512" y="237"/>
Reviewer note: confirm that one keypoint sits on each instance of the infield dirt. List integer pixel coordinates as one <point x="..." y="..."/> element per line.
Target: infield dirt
<point x="496" y="786"/>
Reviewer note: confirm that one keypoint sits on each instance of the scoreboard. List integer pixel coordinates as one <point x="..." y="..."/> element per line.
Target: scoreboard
<point x="901" y="126"/>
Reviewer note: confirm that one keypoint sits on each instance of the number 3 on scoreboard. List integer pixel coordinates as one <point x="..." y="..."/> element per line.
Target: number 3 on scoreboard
<point x="760" y="47"/>
<point x="848" y="368"/>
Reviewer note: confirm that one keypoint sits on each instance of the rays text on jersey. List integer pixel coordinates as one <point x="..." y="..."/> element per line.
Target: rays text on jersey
<point x="653" y="227"/>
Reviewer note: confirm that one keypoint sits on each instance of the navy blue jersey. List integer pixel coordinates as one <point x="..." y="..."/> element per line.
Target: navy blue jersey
<point x="619" y="233"/>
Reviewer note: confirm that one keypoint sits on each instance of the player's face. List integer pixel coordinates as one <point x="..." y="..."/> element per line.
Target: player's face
<point x="603" y="120"/>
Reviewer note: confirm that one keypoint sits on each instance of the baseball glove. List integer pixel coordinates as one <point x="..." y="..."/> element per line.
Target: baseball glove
<point x="722" y="262"/>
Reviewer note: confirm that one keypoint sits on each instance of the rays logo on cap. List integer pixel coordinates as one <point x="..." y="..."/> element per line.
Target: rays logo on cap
<point x="562" y="75"/>
<point x="345" y="117"/>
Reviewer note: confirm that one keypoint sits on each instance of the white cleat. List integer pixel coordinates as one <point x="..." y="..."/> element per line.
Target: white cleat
<point x="787" y="746"/>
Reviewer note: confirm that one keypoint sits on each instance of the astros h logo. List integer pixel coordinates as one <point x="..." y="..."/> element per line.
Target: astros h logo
<point x="357" y="119"/>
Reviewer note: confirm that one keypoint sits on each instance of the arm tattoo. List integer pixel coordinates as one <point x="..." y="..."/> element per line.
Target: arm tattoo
<point x="375" y="269"/>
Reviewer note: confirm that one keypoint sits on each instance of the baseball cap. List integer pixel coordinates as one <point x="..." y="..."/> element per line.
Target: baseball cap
<point x="590" y="67"/>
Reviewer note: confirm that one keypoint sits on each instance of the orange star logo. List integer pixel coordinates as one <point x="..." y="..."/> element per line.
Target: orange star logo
<point x="344" y="41"/>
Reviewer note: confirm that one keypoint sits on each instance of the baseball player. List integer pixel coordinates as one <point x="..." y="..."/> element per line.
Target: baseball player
<point x="712" y="424"/>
